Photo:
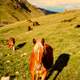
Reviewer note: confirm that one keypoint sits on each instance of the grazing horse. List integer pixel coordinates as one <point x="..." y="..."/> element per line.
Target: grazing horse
<point x="11" y="43"/>
<point x="41" y="60"/>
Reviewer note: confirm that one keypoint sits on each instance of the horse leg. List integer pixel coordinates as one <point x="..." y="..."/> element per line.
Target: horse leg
<point x="44" y="74"/>
<point x="32" y="76"/>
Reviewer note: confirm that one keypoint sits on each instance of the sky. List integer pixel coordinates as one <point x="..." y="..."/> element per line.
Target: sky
<point x="56" y="5"/>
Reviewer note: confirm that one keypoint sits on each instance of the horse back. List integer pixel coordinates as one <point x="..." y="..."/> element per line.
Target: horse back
<point x="47" y="56"/>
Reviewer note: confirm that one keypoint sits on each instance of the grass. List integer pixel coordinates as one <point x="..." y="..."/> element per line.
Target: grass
<point x="10" y="13"/>
<point x="57" y="30"/>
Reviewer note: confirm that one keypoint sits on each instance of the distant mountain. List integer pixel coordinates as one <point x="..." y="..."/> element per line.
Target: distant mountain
<point x="47" y="11"/>
<point x="16" y="10"/>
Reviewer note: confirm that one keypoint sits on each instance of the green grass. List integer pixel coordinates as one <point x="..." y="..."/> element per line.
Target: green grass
<point x="62" y="36"/>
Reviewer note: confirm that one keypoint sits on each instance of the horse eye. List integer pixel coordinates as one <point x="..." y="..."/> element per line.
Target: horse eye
<point x="43" y="41"/>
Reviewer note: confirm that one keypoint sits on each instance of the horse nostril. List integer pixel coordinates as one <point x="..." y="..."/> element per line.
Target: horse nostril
<point x="39" y="78"/>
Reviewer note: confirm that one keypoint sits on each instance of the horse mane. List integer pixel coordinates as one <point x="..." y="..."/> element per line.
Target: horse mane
<point x="47" y="56"/>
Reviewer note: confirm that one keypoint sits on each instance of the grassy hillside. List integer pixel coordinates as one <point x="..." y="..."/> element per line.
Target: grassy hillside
<point x="61" y="31"/>
<point x="16" y="10"/>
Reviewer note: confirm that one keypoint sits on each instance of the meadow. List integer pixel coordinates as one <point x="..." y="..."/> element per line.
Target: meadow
<point x="61" y="31"/>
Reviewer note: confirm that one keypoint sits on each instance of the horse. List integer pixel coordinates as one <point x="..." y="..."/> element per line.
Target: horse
<point x="41" y="59"/>
<point x="11" y="43"/>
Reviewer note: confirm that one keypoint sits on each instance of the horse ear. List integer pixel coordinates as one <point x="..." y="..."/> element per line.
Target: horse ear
<point x="43" y="41"/>
<point x="34" y="41"/>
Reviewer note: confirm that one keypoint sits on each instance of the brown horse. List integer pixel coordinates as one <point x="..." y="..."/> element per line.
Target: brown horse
<point x="11" y="43"/>
<point x="41" y="59"/>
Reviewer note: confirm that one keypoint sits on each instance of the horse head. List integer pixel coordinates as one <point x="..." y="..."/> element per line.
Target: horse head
<point x="38" y="49"/>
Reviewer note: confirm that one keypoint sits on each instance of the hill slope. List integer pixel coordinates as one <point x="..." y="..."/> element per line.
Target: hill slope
<point x="61" y="31"/>
<point x="16" y="10"/>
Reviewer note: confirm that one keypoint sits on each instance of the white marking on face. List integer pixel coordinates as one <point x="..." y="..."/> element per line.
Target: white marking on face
<point x="37" y="46"/>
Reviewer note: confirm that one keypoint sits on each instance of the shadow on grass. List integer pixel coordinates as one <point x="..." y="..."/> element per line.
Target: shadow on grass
<point x="59" y="65"/>
<point x="20" y="45"/>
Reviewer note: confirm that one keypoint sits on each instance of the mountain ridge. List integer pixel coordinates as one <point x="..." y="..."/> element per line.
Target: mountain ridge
<point x="16" y="10"/>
